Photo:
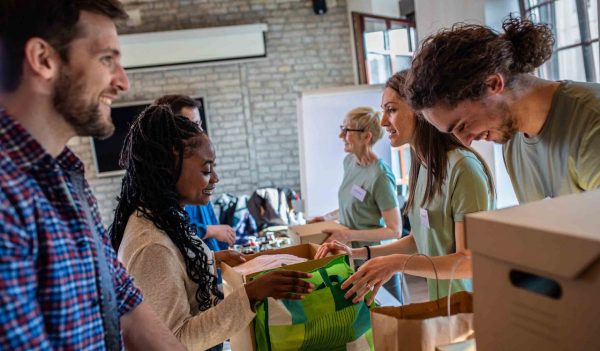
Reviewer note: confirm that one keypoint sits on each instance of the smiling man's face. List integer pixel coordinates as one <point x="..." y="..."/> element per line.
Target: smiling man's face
<point x="484" y="119"/>
<point x="91" y="78"/>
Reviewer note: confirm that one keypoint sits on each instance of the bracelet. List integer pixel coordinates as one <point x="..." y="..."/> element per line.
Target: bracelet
<point x="368" y="252"/>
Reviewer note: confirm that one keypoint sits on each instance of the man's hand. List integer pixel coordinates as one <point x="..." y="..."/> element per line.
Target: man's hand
<point x="231" y="257"/>
<point x="221" y="232"/>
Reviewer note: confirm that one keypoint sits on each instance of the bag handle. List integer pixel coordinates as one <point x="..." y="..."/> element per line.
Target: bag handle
<point x="454" y="267"/>
<point x="405" y="286"/>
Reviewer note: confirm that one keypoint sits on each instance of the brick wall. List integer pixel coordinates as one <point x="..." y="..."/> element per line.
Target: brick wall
<point x="251" y="106"/>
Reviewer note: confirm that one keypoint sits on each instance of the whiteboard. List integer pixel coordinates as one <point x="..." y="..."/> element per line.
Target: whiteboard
<point x="320" y="114"/>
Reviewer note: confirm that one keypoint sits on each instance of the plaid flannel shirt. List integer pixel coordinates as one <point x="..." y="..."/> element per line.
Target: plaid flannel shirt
<point x="49" y="287"/>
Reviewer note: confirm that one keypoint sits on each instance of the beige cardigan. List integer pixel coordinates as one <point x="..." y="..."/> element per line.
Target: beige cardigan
<point x="159" y="271"/>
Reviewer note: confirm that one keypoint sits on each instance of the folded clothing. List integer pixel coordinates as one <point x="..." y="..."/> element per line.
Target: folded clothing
<point x="264" y="262"/>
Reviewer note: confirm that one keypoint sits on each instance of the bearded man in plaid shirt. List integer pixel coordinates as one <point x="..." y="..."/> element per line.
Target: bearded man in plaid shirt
<point x="61" y="286"/>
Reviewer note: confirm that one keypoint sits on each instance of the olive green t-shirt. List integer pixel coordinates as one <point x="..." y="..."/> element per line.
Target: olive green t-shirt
<point x="565" y="157"/>
<point x="366" y="192"/>
<point x="464" y="191"/>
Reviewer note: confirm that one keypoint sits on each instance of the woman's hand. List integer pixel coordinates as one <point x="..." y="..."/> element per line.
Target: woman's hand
<point x="316" y="219"/>
<point x="221" y="232"/>
<point x="341" y="235"/>
<point x="334" y="247"/>
<point x="230" y="257"/>
<point x="370" y="277"/>
<point x="279" y="285"/>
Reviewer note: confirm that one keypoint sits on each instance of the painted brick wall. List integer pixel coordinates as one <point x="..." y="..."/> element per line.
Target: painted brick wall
<point x="251" y="106"/>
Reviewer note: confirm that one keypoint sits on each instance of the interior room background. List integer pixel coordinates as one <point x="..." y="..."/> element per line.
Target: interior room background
<point x="251" y="105"/>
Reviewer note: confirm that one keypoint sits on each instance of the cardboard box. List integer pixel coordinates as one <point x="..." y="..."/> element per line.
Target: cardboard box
<point x="312" y="233"/>
<point x="536" y="275"/>
<point x="244" y="340"/>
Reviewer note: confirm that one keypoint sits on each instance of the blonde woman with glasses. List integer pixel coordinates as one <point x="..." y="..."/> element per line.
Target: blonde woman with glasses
<point x="368" y="205"/>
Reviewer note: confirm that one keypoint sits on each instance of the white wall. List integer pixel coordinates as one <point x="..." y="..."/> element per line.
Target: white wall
<point x="433" y="15"/>
<point x="497" y="10"/>
<point x="386" y="8"/>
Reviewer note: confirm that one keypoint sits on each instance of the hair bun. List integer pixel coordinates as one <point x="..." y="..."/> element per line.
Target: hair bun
<point x="532" y="43"/>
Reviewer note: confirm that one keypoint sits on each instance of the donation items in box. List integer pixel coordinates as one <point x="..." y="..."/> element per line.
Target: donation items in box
<point x="313" y="232"/>
<point x="536" y="275"/>
<point x="323" y="320"/>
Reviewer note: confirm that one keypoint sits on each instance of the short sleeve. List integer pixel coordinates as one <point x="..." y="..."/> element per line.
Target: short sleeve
<point x="588" y="160"/>
<point x="384" y="192"/>
<point x="470" y="191"/>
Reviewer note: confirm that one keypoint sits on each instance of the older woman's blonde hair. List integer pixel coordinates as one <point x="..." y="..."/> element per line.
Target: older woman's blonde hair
<point x="368" y="119"/>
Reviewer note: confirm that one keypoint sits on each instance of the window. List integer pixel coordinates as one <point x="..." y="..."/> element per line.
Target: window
<point x="575" y="27"/>
<point x="383" y="46"/>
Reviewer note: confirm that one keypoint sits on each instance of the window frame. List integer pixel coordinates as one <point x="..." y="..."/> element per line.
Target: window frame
<point x="585" y="42"/>
<point x="358" y="25"/>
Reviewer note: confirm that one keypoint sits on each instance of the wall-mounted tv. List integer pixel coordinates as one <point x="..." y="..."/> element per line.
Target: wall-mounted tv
<point x="106" y="152"/>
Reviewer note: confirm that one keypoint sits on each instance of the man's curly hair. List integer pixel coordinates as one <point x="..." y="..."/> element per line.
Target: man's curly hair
<point x="452" y="65"/>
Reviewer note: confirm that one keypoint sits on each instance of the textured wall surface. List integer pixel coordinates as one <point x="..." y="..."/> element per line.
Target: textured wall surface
<point x="251" y="106"/>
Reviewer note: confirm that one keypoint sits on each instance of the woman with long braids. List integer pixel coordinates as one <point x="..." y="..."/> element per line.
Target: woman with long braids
<point x="170" y="162"/>
<point x="447" y="181"/>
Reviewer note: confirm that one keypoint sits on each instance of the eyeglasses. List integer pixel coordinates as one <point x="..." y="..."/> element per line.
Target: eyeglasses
<point x="345" y="130"/>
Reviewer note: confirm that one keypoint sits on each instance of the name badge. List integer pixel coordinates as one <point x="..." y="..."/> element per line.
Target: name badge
<point x="358" y="192"/>
<point x="424" y="217"/>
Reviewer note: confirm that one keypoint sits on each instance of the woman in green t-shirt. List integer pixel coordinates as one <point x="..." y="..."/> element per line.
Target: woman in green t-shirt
<point x="367" y="196"/>
<point x="447" y="181"/>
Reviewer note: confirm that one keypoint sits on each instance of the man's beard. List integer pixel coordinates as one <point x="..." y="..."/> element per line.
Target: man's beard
<point x="84" y="117"/>
<point x="508" y="127"/>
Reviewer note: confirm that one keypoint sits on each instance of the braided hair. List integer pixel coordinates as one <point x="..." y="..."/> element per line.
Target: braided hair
<point x="152" y="157"/>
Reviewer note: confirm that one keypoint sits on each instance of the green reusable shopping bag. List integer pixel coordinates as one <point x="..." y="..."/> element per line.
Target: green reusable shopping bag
<point x="323" y="320"/>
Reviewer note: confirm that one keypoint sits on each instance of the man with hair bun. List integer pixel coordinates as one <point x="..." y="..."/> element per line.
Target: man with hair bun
<point x="477" y="84"/>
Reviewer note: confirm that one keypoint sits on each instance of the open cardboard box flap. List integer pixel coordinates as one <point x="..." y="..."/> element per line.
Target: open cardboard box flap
<point x="560" y="236"/>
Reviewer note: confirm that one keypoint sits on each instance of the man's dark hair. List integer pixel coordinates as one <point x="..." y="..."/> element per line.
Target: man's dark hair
<point x="452" y="65"/>
<point x="177" y="102"/>
<point x="52" y="20"/>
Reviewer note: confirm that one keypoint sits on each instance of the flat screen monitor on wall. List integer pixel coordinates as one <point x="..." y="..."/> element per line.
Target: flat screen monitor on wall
<point x="106" y="152"/>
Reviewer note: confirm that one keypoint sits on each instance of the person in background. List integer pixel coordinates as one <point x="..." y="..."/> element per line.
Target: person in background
<point x="61" y="285"/>
<point x="367" y="199"/>
<point x="216" y="236"/>
<point x="447" y="180"/>
<point x="169" y="162"/>
<point x="477" y="84"/>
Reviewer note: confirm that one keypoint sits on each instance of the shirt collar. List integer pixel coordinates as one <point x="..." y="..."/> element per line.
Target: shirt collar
<point x="26" y="152"/>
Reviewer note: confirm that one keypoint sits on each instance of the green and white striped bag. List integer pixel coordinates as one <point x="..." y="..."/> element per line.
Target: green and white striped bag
<point x="323" y="320"/>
